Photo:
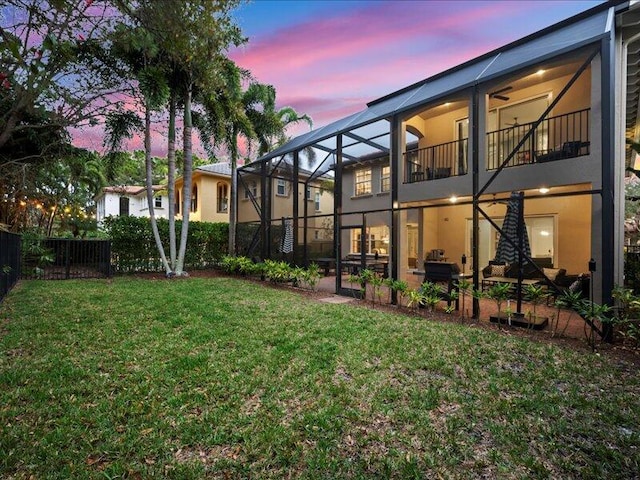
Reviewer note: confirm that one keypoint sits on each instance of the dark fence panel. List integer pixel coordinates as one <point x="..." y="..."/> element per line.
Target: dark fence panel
<point x="65" y="258"/>
<point x="9" y="261"/>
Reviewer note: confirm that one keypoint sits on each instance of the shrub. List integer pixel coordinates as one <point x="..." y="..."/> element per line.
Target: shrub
<point x="134" y="250"/>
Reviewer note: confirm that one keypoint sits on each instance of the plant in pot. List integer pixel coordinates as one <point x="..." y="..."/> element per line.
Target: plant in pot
<point x="500" y="292"/>
<point x="534" y="294"/>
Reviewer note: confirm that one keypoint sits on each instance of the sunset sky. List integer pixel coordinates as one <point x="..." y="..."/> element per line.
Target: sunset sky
<point x="328" y="58"/>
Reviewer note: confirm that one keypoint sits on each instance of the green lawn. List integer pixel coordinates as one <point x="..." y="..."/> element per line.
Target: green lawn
<point x="221" y="378"/>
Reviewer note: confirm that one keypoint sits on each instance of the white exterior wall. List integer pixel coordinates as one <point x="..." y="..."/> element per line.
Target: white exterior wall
<point x="109" y="205"/>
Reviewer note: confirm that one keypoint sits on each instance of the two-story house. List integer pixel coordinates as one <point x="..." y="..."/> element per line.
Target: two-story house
<point x="210" y="193"/>
<point x="432" y="166"/>
<point x="277" y="196"/>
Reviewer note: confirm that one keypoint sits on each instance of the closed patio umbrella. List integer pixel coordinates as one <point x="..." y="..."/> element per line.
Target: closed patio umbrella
<point x="286" y="246"/>
<point x="506" y="251"/>
<point x="514" y="228"/>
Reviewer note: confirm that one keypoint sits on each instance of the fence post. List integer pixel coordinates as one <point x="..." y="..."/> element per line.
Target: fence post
<point x="67" y="266"/>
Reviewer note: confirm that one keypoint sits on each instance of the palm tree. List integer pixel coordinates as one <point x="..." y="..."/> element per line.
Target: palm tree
<point x="140" y="53"/>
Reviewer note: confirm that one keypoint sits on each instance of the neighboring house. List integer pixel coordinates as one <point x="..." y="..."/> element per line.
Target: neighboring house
<point x="430" y="167"/>
<point x="210" y="193"/>
<point x="130" y="200"/>
<point x="314" y="200"/>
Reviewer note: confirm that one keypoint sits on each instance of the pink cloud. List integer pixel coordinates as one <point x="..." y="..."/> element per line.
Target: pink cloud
<point x="321" y="65"/>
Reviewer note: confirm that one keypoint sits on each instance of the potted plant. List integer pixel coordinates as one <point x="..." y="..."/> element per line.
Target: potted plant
<point x="499" y="292"/>
<point x="535" y="294"/>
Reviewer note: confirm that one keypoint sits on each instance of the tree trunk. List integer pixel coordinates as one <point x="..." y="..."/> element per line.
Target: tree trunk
<point x="171" y="159"/>
<point x="149" y="182"/>
<point x="186" y="189"/>
<point x="233" y="213"/>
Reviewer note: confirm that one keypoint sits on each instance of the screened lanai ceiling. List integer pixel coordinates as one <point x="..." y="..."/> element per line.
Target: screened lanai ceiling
<point x="368" y="131"/>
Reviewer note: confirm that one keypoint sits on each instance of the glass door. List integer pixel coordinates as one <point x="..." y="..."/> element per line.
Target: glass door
<point x="353" y="259"/>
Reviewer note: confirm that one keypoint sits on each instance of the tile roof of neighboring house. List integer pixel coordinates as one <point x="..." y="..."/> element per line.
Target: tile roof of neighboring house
<point x="217" y="168"/>
<point x="131" y="189"/>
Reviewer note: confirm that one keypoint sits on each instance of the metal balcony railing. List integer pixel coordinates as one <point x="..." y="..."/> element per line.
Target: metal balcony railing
<point x="555" y="138"/>
<point x="438" y="161"/>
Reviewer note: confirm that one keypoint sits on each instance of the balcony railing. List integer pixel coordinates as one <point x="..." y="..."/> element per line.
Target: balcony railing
<point x="555" y="138"/>
<point x="439" y="161"/>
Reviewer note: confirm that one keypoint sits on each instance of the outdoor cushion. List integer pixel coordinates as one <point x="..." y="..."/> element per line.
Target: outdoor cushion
<point x="498" y="270"/>
<point x="552" y="273"/>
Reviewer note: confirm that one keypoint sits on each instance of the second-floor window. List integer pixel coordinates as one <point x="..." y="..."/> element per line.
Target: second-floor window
<point x="363" y="182"/>
<point x="281" y="187"/>
<point x="307" y="193"/>
<point x="385" y="179"/>
<point x="317" y="201"/>
<point x="177" y="206"/>
<point x="157" y="201"/>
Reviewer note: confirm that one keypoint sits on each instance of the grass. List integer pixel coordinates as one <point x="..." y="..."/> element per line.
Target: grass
<point x="221" y="378"/>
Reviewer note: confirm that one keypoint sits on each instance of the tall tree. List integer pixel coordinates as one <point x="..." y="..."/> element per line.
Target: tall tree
<point x="233" y="115"/>
<point x="52" y="64"/>
<point x="192" y="36"/>
<point x="139" y="51"/>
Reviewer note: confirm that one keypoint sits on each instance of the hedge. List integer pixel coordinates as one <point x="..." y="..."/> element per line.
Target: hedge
<point x="134" y="250"/>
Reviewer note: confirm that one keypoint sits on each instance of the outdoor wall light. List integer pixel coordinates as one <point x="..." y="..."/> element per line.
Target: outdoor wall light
<point x="540" y="72"/>
<point x="543" y="190"/>
<point x="453" y="199"/>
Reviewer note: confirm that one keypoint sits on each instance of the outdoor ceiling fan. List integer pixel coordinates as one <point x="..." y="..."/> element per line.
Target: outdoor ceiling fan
<point x="498" y="93"/>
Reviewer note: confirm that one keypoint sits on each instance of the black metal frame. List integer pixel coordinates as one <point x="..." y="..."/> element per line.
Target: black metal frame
<point x="604" y="48"/>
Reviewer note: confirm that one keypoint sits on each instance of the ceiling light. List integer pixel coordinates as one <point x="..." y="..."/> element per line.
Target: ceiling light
<point x="544" y="233"/>
<point x="453" y="199"/>
<point x="540" y="72"/>
<point x="543" y="190"/>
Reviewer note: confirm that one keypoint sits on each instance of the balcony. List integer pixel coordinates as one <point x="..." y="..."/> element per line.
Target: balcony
<point x="555" y="138"/>
<point x="435" y="162"/>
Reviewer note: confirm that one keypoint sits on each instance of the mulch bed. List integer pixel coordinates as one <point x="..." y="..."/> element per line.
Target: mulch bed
<point x="626" y="356"/>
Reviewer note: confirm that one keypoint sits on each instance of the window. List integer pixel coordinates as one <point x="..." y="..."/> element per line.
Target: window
<point x="281" y="188"/>
<point x="540" y="230"/>
<point x="124" y="206"/>
<point x="194" y="199"/>
<point x="385" y="179"/>
<point x="157" y="201"/>
<point x="376" y="240"/>
<point x="223" y="197"/>
<point x="177" y="201"/>
<point x="363" y="182"/>
<point x="251" y="189"/>
<point x="317" y="201"/>
<point x="307" y="193"/>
